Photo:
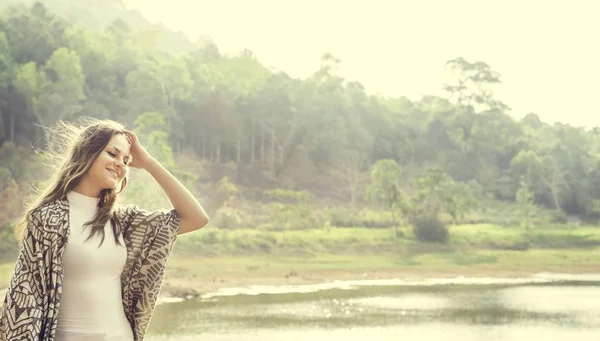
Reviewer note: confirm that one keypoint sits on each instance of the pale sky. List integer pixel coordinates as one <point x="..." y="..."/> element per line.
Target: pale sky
<point x="546" y="51"/>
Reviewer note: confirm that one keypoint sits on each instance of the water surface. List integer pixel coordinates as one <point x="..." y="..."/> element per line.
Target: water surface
<point x="549" y="307"/>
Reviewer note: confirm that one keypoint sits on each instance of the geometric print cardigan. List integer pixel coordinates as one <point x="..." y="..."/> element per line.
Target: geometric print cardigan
<point x="32" y="302"/>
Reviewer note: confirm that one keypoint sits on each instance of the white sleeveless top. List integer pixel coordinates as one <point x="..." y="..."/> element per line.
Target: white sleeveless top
<point x="91" y="306"/>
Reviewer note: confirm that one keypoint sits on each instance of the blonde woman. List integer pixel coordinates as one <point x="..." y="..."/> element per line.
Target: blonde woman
<point x="89" y="269"/>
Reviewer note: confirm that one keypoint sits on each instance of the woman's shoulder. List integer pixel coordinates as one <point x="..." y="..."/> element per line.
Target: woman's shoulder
<point x="125" y="214"/>
<point x="50" y="209"/>
<point x="123" y="211"/>
<point x="134" y="212"/>
<point x="132" y="215"/>
<point x="48" y="220"/>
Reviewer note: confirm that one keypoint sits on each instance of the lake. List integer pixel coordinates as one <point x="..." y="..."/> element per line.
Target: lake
<point x="548" y="307"/>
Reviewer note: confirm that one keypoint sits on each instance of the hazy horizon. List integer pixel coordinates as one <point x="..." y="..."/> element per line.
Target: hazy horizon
<point x="543" y="51"/>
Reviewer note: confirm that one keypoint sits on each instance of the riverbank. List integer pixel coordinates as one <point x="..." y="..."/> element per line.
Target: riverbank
<point x="191" y="277"/>
<point x="216" y="258"/>
<point x="186" y="289"/>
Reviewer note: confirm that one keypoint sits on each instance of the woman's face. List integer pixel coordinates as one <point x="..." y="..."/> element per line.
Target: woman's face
<point x="110" y="167"/>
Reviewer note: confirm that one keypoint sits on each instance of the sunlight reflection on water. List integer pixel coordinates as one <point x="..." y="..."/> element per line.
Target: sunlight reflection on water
<point x="550" y="307"/>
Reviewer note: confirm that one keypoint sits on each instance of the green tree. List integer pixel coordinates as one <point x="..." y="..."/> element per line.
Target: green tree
<point x="64" y="91"/>
<point x="385" y="186"/>
<point x="528" y="166"/>
<point x="525" y="202"/>
<point x="460" y="200"/>
<point x="322" y="133"/>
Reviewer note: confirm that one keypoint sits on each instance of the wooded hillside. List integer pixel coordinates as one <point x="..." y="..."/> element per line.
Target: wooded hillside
<point x="228" y="115"/>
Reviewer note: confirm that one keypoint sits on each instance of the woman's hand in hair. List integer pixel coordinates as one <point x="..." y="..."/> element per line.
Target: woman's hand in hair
<point x="139" y="155"/>
<point x="192" y="214"/>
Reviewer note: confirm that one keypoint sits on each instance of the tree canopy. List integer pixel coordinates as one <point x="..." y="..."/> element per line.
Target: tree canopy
<point x="321" y="134"/>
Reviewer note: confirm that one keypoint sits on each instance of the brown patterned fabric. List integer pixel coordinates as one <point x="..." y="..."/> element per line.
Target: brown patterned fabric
<point x="32" y="301"/>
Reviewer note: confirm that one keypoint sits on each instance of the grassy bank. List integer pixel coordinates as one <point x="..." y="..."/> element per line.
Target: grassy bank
<point x="216" y="242"/>
<point x="215" y="258"/>
<point x="196" y="275"/>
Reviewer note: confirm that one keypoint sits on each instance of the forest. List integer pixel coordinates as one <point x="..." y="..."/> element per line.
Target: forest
<point x="266" y="150"/>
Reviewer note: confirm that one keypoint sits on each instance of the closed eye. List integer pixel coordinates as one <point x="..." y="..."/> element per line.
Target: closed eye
<point x="113" y="154"/>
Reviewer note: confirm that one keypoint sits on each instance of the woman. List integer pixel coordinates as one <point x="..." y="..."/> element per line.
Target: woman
<point x="87" y="269"/>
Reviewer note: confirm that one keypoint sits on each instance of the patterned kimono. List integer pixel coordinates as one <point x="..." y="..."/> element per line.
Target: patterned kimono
<point x="31" y="305"/>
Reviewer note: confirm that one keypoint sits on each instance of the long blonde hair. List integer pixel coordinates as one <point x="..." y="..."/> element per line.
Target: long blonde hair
<point x="72" y="149"/>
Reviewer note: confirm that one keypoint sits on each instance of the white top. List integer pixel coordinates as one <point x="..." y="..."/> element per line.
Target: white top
<point x="91" y="306"/>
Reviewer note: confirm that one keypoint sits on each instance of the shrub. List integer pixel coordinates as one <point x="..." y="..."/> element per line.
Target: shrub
<point x="227" y="218"/>
<point x="429" y="228"/>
